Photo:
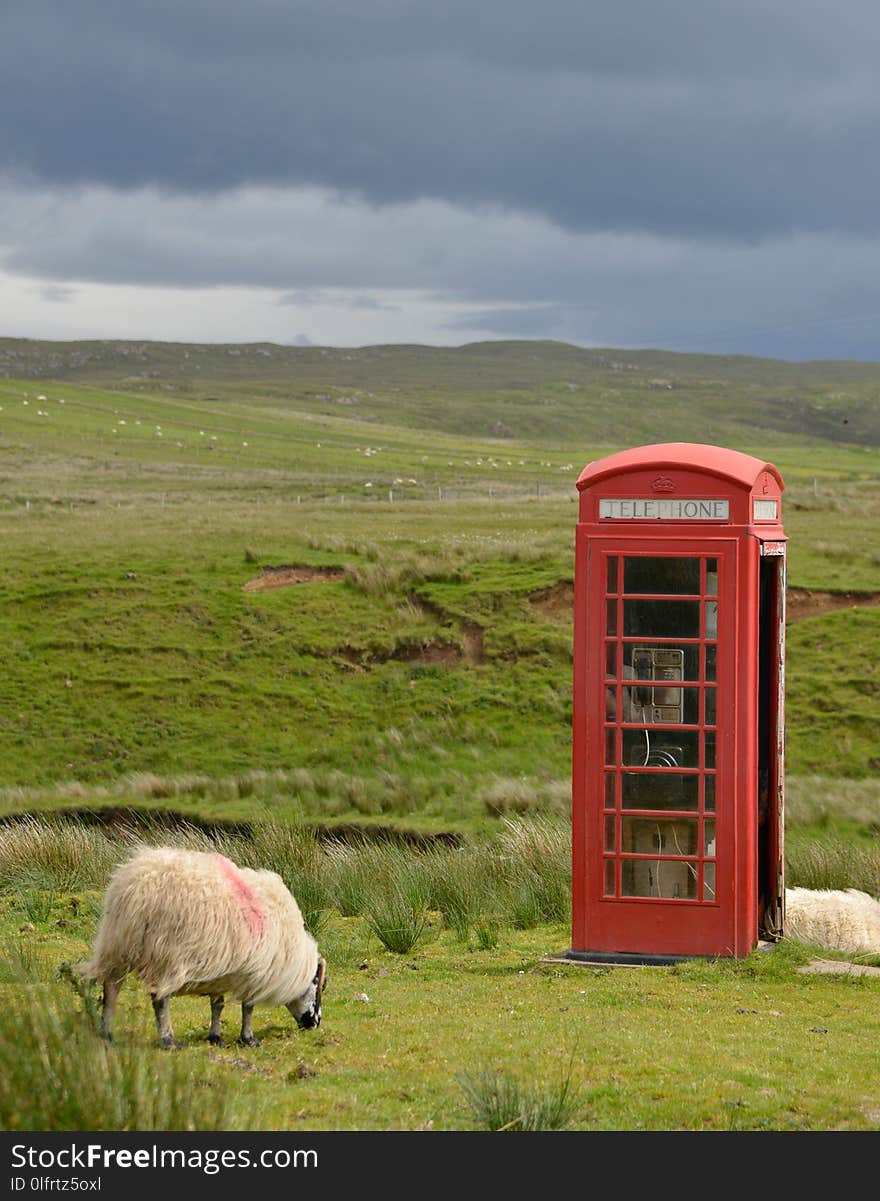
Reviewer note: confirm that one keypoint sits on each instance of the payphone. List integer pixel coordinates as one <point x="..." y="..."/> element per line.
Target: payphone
<point x="677" y="770"/>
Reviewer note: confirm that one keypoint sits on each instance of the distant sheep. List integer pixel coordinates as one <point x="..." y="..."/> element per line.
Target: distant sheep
<point x="840" y="920"/>
<point x="191" y="922"/>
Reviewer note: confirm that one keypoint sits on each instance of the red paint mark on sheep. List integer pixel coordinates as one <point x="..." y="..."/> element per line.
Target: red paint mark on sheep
<point x="243" y="894"/>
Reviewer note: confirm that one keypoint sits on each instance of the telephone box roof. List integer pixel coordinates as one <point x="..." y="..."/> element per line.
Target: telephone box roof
<point x="717" y="461"/>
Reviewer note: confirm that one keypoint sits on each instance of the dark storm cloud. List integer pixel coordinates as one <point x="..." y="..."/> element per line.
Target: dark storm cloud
<point x="688" y="117"/>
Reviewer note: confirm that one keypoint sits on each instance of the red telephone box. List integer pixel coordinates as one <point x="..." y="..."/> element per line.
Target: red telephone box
<point x="677" y="780"/>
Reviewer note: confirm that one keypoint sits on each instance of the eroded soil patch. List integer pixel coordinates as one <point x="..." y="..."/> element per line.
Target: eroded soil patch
<point x="446" y="653"/>
<point x="803" y="602"/>
<point x="555" y="602"/>
<point x="296" y="573"/>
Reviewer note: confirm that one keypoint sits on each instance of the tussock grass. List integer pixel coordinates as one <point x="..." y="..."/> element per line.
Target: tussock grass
<point x="59" y="1075"/>
<point x="395" y="896"/>
<point x="396" y="917"/>
<point x="22" y="960"/>
<point x="351" y="874"/>
<point x="522" y="877"/>
<point x="389" y="577"/>
<point x="54" y="855"/>
<point x="830" y="862"/>
<point x="37" y="906"/>
<point x="505" y="796"/>
<point x="518" y="878"/>
<point x="462" y="884"/>
<point x="498" y="1100"/>
<point x="824" y="800"/>
<point x="536" y="854"/>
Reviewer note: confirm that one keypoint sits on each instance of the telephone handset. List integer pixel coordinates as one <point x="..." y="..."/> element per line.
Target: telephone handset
<point x="659" y="666"/>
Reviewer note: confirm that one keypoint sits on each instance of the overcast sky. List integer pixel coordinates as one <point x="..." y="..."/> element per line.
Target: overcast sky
<point x="698" y="175"/>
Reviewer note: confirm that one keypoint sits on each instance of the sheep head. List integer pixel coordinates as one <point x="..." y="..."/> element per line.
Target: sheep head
<point x="307" y="1008"/>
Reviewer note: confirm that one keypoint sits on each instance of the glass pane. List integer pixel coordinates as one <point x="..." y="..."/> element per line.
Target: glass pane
<point x="609" y="877"/>
<point x="661" y="619"/>
<point x="609" y="790"/>
<point x="658" y="878"/>
<point x="650" y="659"/>
<point x="710" y="750"/>
<point x="708" y="838"/>
<point x="611" y="703"/>
<point x="611" y="659"/>
<point x="610" y="835"/>
<point x="711" y="662"/>
<point x="661" y="748"/>
<point x="711" y="577"/>
<point x="667" y="576"/>
<point x="610" y="746"/>
<point x="653" y="790"/>
<point x="611" y="617"/>
<point x="711" y="619"/>
<point x="636" y="747"/>
<point x="708" y="881"/>
<point x="612" y="575"/>
<point x="710" y="707"/>
<point x="709" y="794"/>
<point x="648" y="836"/>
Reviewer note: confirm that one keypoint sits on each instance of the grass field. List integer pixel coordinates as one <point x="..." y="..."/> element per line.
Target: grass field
<point x="441" y="1012"/>
<point x="346" y="600"/>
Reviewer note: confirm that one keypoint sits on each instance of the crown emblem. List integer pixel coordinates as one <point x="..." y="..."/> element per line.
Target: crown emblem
<point x="662" y="484"/>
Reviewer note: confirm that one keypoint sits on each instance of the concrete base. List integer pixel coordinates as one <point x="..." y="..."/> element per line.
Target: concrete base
<point x="631" y="959"/>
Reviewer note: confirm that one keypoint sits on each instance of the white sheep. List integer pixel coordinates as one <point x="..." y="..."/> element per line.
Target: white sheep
<point x="842" y="920"/>
<point x="191" y="922"/>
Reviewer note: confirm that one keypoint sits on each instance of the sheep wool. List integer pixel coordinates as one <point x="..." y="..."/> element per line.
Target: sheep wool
<point x="842" y="920"/>
<point x="193" y="922"/>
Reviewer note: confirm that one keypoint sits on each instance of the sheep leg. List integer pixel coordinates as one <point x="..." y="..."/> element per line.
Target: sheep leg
<point x="162" y="1010"/>
<point x="108" y="1008"/>
<point x="247" y="1035"/>
<point x="215" y="1034"/>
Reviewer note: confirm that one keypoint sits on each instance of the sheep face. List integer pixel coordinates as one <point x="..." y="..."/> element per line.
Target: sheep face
<point x="307" y="1008"/>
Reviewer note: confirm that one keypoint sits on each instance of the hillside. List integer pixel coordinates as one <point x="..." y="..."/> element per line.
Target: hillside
<point x="495" y="364"/>
<point x="416" y="659"/>
<point x="546" y="392"/>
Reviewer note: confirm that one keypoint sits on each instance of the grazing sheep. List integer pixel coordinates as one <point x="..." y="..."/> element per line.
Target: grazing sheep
<point x="191" y="922"/>
<point x="840" y="920"/>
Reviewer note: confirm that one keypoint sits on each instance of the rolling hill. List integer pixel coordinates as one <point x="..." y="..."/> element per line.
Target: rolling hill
<point x="546" y="391"/>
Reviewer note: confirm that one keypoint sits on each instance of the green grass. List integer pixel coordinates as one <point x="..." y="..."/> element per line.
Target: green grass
<point x="455" y="1030"/>
<point x="423" y="690"/>
<point x="428" y="672"/>
<point x="59" y="1075"/>
<point x="749" y="1044"/>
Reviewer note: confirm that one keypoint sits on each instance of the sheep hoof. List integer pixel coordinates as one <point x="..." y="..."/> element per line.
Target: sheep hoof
<point x="215" y="1040"/>
<point x="249" y="1041"/>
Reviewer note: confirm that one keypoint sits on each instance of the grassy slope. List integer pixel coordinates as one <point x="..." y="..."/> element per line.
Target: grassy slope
<point x="547" y="391"/>
<point x="131" y="647"/>
<point x="132" y="521"/>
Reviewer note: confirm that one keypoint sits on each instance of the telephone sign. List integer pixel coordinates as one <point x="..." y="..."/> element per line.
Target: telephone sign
<point x="677" y="771"/>
<point x="636" y="508"/>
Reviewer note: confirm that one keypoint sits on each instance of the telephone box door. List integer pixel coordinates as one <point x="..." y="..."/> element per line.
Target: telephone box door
<point x="660" y="827"/>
